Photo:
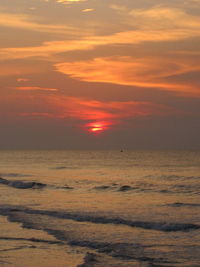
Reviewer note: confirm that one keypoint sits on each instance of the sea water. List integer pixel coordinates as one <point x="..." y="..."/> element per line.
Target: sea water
<point x="99" y="208"/>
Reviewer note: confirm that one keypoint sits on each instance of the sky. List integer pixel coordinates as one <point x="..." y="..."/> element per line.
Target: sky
<point x="100" y="74"/>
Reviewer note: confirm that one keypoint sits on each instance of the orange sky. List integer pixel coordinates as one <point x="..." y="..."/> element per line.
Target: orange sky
<point x="100" y="74"/>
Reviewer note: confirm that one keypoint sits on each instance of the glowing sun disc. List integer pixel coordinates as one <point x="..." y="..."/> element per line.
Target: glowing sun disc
<point x="96" y="129"/>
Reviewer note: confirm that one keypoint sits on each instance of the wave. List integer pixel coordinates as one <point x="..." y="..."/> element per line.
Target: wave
<point x="15" y="175"/>
<point x="124" y="188"/>
<point x="106" y="252"/>
<point x="147" y="225"/>
<point x="22" y="185"/>
<point x="180" y="204"/>
<point x="178" y="177"/>
<point x="65" y="187"/>
<point x="62" y="167"/>
<point x="193" y="188"/>
<point x="30" y="184"/>
<point x="34" y="240"/>
<point x="125" y="251"/>
<point x="152" y="188"/>
<point x="59" y="168"/>
<point x="173" y="177"/>
<point x="102" y="187"/>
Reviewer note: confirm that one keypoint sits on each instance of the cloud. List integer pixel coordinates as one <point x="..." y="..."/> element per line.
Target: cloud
<point x="192" y="4"/>
<point x="23" y="21"/>
<point x="159" y="17"/>
<point x="35" y="88"/>
<point x="48" y="49"/>
<point x="19" y="68"/>
<point x="77" y="111"/>
<point x="69" y="1"/>
<point x="143" y="72"/>
<point x="151" y="25"/>
<point x="89" y="112"/>
<point x="165" y="18"/>
<point x="87" y="10"/>
<point x="22" y="80"/>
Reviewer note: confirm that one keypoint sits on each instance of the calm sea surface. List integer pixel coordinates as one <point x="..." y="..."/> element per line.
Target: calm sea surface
<point x="99" y="208"/>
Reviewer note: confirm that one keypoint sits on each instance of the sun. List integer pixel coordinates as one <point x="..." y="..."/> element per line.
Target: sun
<point x="96" y="127"/>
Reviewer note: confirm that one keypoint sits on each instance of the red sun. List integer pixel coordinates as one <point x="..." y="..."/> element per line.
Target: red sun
<point x="96" y="127"/>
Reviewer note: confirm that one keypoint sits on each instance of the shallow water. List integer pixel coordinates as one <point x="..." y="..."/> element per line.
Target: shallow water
<point x="99" y="208"/>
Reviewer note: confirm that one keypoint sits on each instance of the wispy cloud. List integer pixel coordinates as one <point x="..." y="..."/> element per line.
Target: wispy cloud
<point x="87" y="10"/>
<point x="35" y="88"/>
<point x="22" y="80"/>
<point x="70" y="1"/>
<point x="20" y="69"/>
<point x="143" y="72"/>
<point x="158" y="17"/>
<point x="89" y="112"/>
<point x="165" y="18"/>
<point x="23" y="21"/>
<point x="150" y="25"/>
<point x="48" y="49"/>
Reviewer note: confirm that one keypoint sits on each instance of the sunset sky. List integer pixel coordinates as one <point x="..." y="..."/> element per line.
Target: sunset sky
<point x="106" y="74"/>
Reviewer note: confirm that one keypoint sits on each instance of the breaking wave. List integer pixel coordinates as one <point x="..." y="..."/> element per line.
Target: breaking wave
<point x="148" y="225"/>
<point x="22" y="185"/>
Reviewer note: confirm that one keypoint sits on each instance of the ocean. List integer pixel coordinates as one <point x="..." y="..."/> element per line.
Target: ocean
<point x="99" y="208"/>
